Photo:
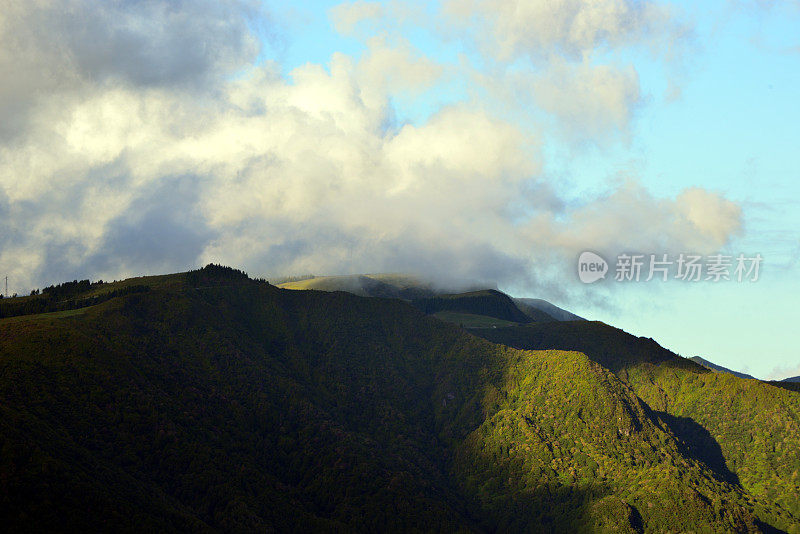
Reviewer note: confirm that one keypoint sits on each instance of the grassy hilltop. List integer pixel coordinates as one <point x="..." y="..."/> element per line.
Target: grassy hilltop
<point x="207" y="401"/>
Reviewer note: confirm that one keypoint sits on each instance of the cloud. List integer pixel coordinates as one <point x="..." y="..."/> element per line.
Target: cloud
<point x="395" y="67"/>
<point x="588" y="100"/>
<point x="52" y="47"/>
<point x="538" y="28"/>
<point x="711" y="215"/>
<point x="348" y="15"/>
<point x="363" y="18"/>
<point x="137" y="168"/>
<point x="567" y="54"/>
<point x="781" y="372"/>
<point x="630" y="219"/>
<point x="161" y="231"/>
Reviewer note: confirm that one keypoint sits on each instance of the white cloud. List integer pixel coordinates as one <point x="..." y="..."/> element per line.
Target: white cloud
<point x="394" y="68"/>
<point x="565" y="51"/>
<point x="364" y="17"/>
<point x="589" y="101"/>
<point x="713" y="217"/>
<point x="302" y="174"/>
<point x="348" y="15"/>
<point x="630" y="219"/>
<point x="781" y="372"/>
<point x="537" y="28"/>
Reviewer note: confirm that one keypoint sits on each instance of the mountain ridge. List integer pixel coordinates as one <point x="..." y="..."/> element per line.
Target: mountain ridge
<point x="212" y="402"/>
<point x="719" y="368"/>
<point x="409" y="287"/>
<point x="559" y="314"/>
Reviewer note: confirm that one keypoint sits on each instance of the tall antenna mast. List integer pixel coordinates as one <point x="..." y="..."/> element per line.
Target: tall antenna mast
<point x="6" y="293"/>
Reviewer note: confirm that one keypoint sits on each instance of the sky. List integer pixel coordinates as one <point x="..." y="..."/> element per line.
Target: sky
<point x="463" y="139"/>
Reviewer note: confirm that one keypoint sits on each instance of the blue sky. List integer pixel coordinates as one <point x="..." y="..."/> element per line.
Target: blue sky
<point x="489" y="141"/>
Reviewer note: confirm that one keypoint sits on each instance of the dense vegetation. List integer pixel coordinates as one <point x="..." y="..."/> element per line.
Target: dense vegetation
<point x="471" y="320"/>
<point x="610" y="347"/>
<point x="400" y="286"/>
<point x="488" y="302"/>
<point x="213" y="402"/>
<point x="746" y="430"/>
<point x="68" y="296"/>
<point x="541" y="310"/>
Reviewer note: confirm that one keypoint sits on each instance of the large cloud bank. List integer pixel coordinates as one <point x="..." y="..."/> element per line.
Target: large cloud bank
<point x="145" y="137"/>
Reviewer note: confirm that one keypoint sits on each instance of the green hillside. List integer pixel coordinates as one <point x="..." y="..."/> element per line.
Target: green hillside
<point x="218" y="403"/>
<point x="748" y="431"/>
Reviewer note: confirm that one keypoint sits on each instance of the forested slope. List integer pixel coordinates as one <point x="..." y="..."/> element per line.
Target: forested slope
<point x="748" y="431"/>
<point x="218" y="403"/>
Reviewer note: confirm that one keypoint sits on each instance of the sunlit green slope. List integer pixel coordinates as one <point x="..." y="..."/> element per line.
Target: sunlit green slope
<point x="746" y="430"/>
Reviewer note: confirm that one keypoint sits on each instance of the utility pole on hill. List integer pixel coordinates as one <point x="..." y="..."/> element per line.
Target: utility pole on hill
<point x="6" y="293"/>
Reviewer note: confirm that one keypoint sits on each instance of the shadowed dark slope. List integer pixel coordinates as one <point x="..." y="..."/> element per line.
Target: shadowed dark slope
<point x="488" y="302"/>
<point x="718" y="368"/>
<point x="608" y="346"/>
<point x="534" y="307"/>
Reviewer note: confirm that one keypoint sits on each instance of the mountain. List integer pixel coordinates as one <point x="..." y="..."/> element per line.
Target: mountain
<point x="474" y="307"/>
<point x="737" y="427"/>
<point x="792" y="383"/>
<point x="610" y="347"/>
<point x="533" y="305"/>
<point x="488" y="303"/>
<point x="207" y="401"/>
<point x="718" y="368"/>
<point x="367" y="285"/>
